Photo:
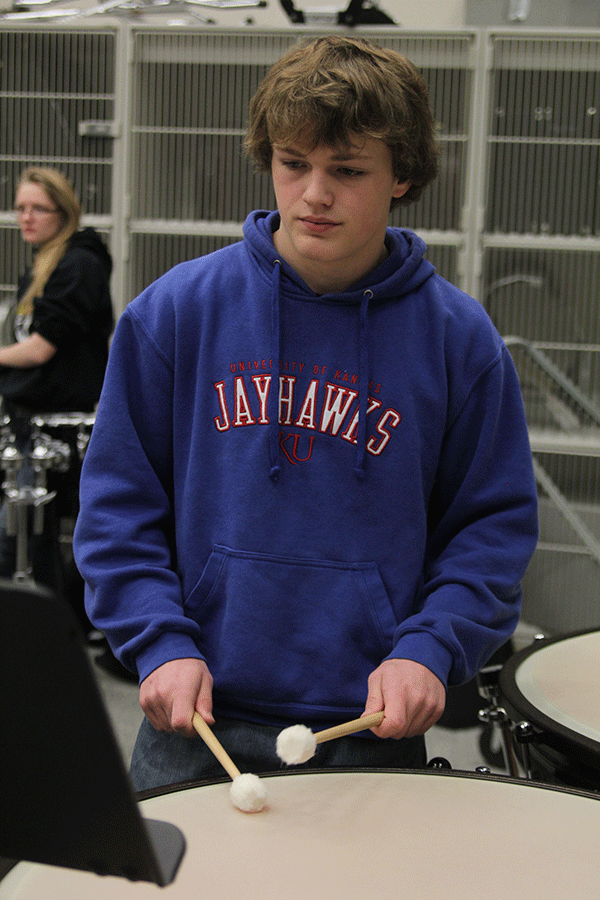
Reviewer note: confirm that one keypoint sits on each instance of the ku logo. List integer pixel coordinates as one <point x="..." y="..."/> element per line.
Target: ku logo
<point x="289" y="445"/>
<point x="316" y="409"/>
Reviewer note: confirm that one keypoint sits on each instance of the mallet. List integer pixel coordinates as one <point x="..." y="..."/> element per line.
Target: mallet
<point x="298" y="743"/>
<point x="247" y="791"/>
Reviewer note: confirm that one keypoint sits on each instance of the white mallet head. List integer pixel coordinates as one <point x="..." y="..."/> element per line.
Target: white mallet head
<point x="296" y="745"/>
<point x="248" y="793"/>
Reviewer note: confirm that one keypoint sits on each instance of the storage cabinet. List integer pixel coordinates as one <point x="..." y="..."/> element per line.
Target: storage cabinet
<point x="540" y="283"/>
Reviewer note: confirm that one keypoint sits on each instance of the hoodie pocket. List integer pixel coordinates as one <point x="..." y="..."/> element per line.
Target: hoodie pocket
<point x="280" y="630"/>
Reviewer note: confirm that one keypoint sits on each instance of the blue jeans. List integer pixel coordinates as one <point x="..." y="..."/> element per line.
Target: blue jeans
<point x="160" y="758"/>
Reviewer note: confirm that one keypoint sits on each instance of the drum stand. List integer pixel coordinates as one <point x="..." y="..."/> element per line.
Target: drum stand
<point x="494" y="714"/>
<point x="522" y="733"/>
<point x="19" y="466"/>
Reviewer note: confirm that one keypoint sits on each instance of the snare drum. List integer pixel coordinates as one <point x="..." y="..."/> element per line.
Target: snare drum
<point x="554" y="685"/>
<point x="343" y="835"/>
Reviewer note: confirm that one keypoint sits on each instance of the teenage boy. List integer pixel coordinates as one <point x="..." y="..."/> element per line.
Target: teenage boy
<point x="309" y="489"/>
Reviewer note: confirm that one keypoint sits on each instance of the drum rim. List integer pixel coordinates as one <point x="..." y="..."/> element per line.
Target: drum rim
<point x="520" y="708"/>
<point x="68" y="419"/>
<point x="163" y="790"/>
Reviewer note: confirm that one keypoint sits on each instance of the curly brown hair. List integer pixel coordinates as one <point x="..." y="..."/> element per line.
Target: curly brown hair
<point x="334" y="89"/>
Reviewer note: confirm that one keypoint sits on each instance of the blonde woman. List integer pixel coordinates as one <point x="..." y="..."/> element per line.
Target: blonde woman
<point x="56" y="348"/>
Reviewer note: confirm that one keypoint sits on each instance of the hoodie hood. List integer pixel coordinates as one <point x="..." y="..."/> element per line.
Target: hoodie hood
<point x="89" y="239"/>
<point x="403" y="272"/>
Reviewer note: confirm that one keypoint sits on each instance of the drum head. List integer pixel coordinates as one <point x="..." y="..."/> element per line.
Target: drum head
<point x="346" y="835"/>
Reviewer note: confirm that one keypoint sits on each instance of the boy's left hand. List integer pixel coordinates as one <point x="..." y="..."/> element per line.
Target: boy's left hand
<point x="412" y="697"/>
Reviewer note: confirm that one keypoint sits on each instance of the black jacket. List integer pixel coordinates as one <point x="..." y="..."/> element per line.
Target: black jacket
<point x="75" y="314"/>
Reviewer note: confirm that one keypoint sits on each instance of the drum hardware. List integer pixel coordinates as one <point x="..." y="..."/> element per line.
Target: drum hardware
<point x="83" y="439"/>
<point x="439" y="763"/>
<point x="525" y="733"/>
<point x="495" y="715"/>
<point x="49" y="453"/>
<point x="28" y="465"/>
<point x="81" y="422"/>
<point x="11" y="460"/>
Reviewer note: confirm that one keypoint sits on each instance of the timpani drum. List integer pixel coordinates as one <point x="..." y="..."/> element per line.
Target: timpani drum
<point x="551" y="691"/>
<point x="344" y="835"/>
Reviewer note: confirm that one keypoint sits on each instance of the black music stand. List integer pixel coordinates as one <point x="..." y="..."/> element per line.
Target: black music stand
<point x="65" y="796"/>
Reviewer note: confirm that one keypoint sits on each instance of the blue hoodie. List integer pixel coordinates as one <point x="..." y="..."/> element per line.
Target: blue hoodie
<point x="379" y="504"/>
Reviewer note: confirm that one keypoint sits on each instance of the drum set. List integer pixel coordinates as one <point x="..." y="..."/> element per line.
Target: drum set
<point x="54" y="443"/>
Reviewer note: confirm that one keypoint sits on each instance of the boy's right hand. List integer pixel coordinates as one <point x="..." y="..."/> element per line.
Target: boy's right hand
<point x="170" y="695"/>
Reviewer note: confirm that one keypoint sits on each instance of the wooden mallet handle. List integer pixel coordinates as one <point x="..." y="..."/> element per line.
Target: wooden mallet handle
<point x="329" y="734"/>
<point x="213" y="744"/>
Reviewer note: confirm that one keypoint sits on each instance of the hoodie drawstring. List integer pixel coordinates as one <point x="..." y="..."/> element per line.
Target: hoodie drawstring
<point x="363" y="381"/>
<point x="273" y="402"/>
<point x="363" y="377"/>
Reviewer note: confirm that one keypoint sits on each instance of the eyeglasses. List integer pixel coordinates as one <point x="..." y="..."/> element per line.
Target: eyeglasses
<point x="34" y="210"/>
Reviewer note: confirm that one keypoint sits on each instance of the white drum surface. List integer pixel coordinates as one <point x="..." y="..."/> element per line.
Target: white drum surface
<point x="562" y="681"/>
<point x="347" y="836"/>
